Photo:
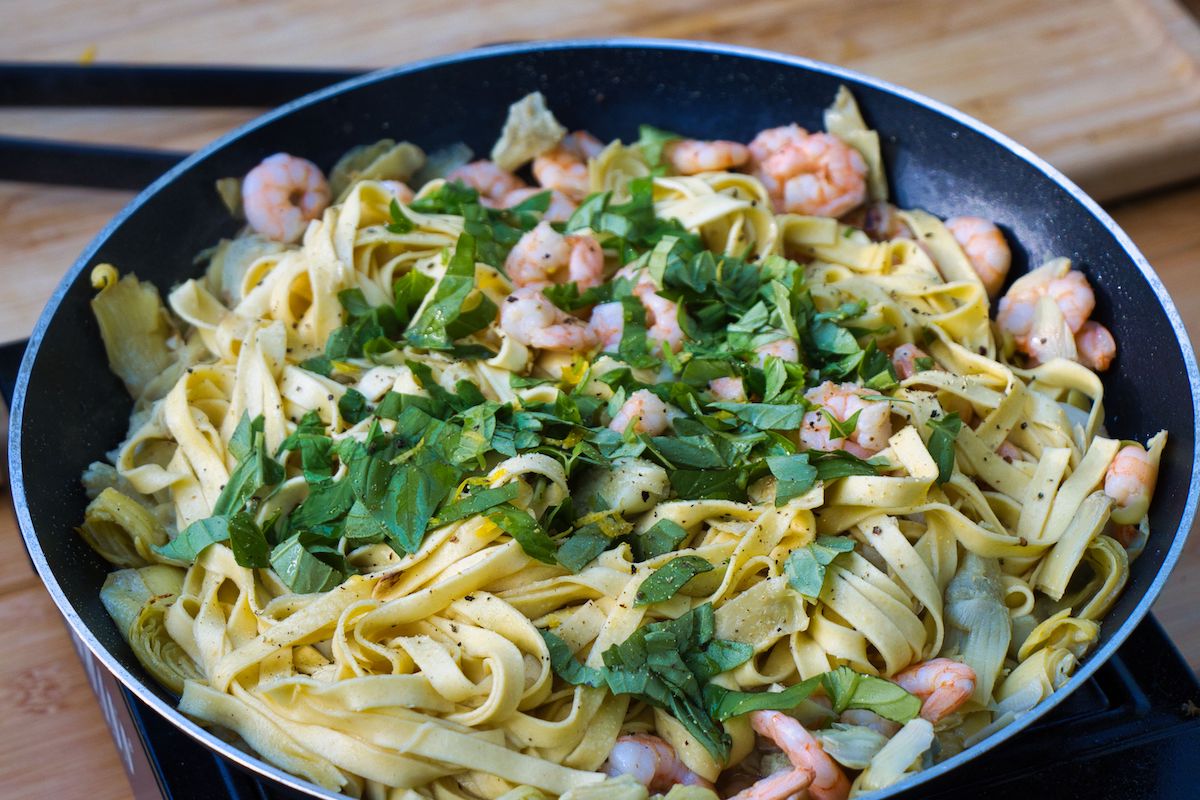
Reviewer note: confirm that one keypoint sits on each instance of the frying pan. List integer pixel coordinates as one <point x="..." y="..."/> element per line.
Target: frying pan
<point x="69" y="409"/>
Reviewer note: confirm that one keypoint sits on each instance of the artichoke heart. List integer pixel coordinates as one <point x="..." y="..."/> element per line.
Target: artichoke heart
<point x="137" y="600"/>
<point x="121" y="530"/>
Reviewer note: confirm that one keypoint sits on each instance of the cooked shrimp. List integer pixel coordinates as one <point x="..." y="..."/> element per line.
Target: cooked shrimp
<point x="1071" y="293"/>
<point x="282" y="194"/>
<point x="843" y="401"/>
<point x="565" y="167"/>
<point x="544" y="256"/>
<point x="881" y="221"/>
<point x="692" y="156"/>
<point x="904" y="360"/>
<point x="1096" y="346"/>
<point x="786" y="349"/>
<point x="986" y="249"/>
<point x="808" y="173"/>
<point x="400" y="190"/>
<point x="647" y="413"/>
<point x="530" y="318"/>
<point x="869" y="719"/>
<point x="560" y="209"/>
<point x="662" y="314"/>
<point x="1130" y="477"/>
<point x="812" y="768"/>
<point x="652" y="762"/>
<point x="942" y="684"/>
<point x="493" y="183"/>
<point x="608" y="325"/>
<point x="728" y="390"/>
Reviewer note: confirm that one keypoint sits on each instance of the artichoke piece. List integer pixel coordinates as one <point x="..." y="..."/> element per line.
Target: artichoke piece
<point x="681" y="792"/>
<point x="383" y="161"/>
<point x="121" y="530"/>
<point x="137" y="600"/>
<point x="529" y="131"/>
<point x="135" y="328"/>
<point x="629" y="486"/>
<point x="230" y="261"/>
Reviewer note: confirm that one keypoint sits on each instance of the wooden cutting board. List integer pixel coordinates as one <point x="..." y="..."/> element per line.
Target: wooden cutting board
<point x="1107" y="90"/>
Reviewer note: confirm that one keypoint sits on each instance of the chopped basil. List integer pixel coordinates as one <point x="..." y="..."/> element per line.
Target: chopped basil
<point x="805" y="567"/>
<point x="793" y="476"/>
<point x="846" y="688"/>
<point x="664" y="582"/>
<point x="941" y="443"/>
<point x="525" y="529"/>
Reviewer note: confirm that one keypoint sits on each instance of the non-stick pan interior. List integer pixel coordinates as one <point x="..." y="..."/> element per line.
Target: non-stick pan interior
<point x="73" y="409"/>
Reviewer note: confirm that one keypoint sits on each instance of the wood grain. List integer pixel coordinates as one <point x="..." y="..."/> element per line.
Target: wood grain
<point x="1106" y="89"/>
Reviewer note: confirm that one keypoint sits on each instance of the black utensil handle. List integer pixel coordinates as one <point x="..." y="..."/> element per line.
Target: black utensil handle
<point x="160" y="85"/>
<point x="78" y="164"/>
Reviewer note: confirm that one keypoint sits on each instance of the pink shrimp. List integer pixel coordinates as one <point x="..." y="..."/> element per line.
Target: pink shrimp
<point x="493" y="183"/>
<point x="608" y="325"/>
<point x="565" y="167"/>
<point x="1096" y="346"/>
<point x="544" y="256"/>
<point x="904" y="360"/>
<point x="727" y="390"/>
<point x="942" y="684"/>
<point x="986" y="249"/>
<point x="843" y="401"/>
<point x="530" y="318"/>
<point x="812" y="768"/>
<point x="1071" y="292"/>
<point x="646" y="411"/>
<point x="560" y="209"/>
<point x="282" y="195"/>
<point x="1009" y="452"/>
<point x="652" y="762"/>
<point x="786" y="349"/>
<point x="1131" y="477"/>
<point x="400" y="190"/>
<point x="693" y="156"/>
<point x="869" y="719"/>
<point x="808" y="173"/>
<point x="662" y="314"/>
<point x="881" y="221"/>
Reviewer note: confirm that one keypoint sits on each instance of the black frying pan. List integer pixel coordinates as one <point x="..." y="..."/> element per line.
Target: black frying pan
<point x="69" y="409"/>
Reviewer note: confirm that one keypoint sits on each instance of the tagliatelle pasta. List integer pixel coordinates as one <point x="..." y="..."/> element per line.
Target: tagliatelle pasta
<point x="425" y="496"/>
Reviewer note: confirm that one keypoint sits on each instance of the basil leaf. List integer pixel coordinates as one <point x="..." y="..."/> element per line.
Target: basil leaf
<point x="248" y="542"/>
<point x="568" y="297"/>
<point x="352" y="405"/>
<point x="923" y="363"/>
<point x="725" y="703"/>
<point x="562" y="660"/>
<point x="793" y="476"/>
<point x="413" y="494"/>
<point x="458" y="308"/>
<point x="849" y="689"/>
<point x="194" y="538"/>
<point x="840" y="464"/>
<point x="805" y="567"/>
<point x="255" y="469"/>
<point x="721" y="484"/>
<point x="841" y="429"/>
<point x="326" y="502"/>
<point x="941" y="443"/>
<point x="525" y="529"/>
<point x="667" y="580"/>
<point x="661" y="538"/>
<point x="476" y="503"/>
<point x="699" y="452"/>
<point x="314" y="446"/>
<point x="408" y="292"/>
<point x="581" y="548"/>
<point x="303" y="572"/>
<point x="766" y="416"/>
<point x="400" y="222"/>
<point x="651" y="141"/>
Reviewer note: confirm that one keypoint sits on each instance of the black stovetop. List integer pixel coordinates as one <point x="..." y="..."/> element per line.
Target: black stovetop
<point x="1132" y="731"/>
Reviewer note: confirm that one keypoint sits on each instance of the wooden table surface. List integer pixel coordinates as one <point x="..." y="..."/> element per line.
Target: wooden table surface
<point x="55" y="744"/>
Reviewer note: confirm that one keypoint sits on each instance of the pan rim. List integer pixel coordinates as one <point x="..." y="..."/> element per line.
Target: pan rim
<point x="252" y="762"/>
